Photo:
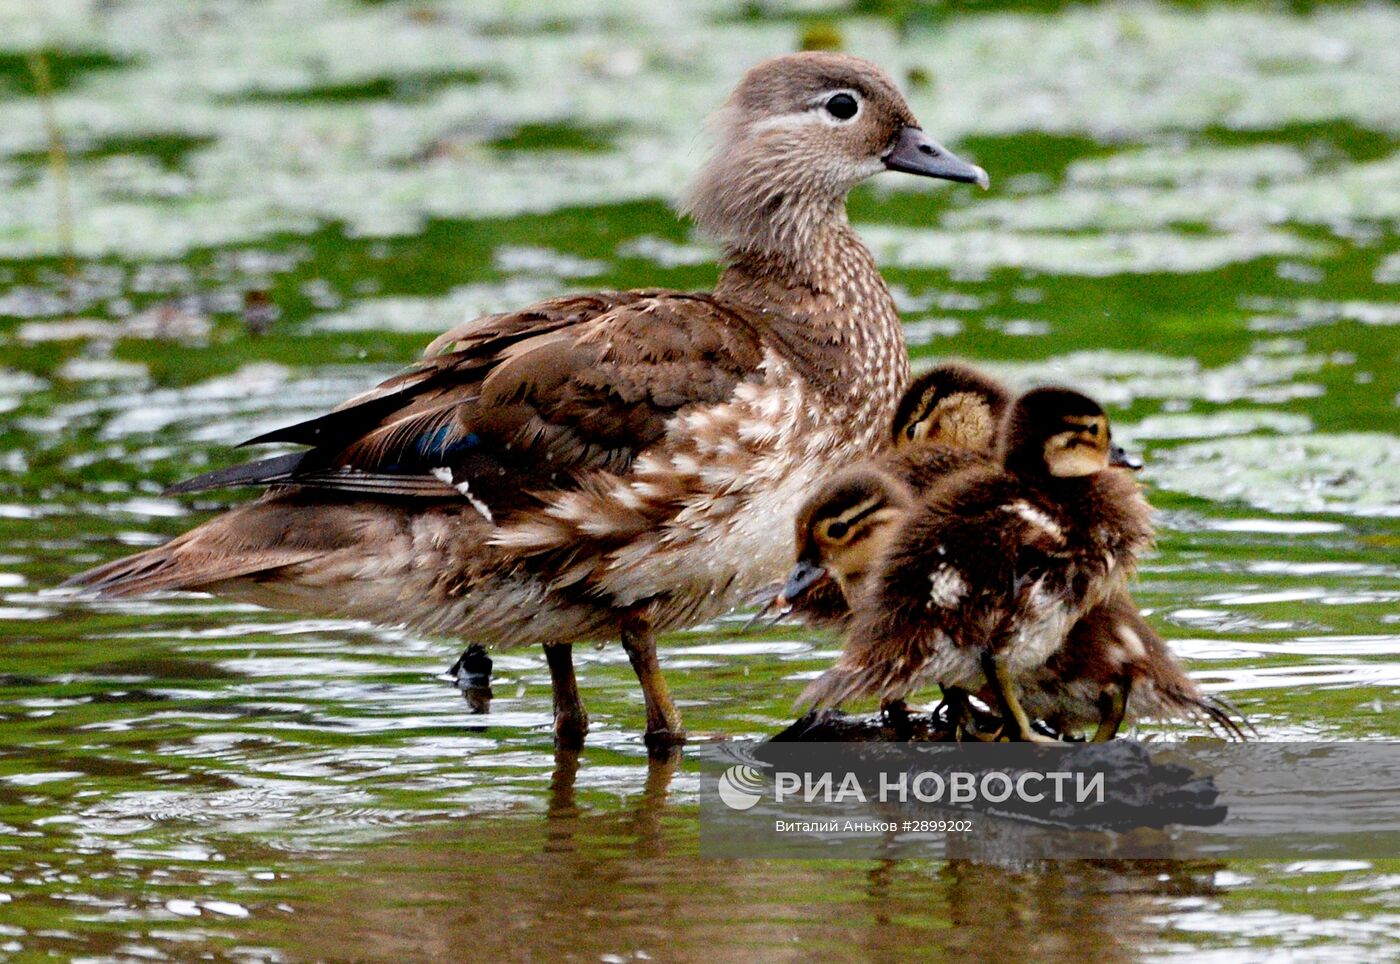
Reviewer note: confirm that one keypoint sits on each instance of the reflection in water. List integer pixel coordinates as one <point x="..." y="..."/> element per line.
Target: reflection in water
<point x="1082" y="910"/>
<point x="594" y="877"/>
<point x="563" y="816"/>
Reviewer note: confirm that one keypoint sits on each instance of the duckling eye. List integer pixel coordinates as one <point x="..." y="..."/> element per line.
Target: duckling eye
<point x="842" y="106"/>
<point x="837" y="530"/>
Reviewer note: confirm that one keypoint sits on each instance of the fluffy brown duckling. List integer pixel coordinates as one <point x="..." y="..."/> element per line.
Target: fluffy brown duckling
<point x="949" y="416"/>
<point x="842" y="533"/>
<point x="995" y="564"/>
<point x="608" y="465"/>
<point x="946" y="421"/>
<point x="1115" y="668"/>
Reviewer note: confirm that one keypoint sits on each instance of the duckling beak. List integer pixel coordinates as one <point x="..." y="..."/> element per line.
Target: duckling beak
<point x="804" y="576"/>
<point x="1119" y="456"/>
<point x="917" y="153"/>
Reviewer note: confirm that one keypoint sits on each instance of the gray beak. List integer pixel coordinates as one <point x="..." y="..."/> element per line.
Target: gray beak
<point x="1120" y="457"/>
<point x="917" y="153"/>
<point x="804" y="575"/>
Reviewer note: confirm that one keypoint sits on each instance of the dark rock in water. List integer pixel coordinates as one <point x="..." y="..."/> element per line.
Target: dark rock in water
<point x="833" y="726"/>
<point x="1141" y="788"/>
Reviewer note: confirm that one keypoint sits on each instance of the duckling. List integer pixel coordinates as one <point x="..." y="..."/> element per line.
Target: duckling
<point x="1114" y="667"/>
<point x="842" y="532"/>
<point x="947" y="420"/>
<point x="996" y="563"/>
<point x="606" y="465"/>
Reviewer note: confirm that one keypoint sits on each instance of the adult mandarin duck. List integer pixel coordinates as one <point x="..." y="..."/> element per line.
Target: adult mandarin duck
<point x="607" y="465"/>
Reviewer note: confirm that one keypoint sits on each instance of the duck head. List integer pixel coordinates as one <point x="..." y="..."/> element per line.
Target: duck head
<point x="792" y="140"/>
<point x="953" y="405"/>
<point x="1059" y="433"/>
<point x="844" y="528"/>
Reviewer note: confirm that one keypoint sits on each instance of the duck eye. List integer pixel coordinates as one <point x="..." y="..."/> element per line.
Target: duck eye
<point x="842" y="106"/>
<point x="837" y="530"/>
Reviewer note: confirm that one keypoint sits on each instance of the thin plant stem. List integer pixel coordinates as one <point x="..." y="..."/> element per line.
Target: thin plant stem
<point x="58" y="160"/>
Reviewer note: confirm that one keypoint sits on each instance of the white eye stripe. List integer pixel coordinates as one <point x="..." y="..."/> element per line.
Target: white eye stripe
<point x="815" y="112"/>
<point x="821" y="99"/>
<point x="820" y="103"/>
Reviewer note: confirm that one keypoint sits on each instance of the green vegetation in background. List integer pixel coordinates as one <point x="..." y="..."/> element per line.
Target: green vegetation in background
<point x="559" y="136"/>
<point x="66" y="68"/>
<point x="169" y="150"/>
<point x="908" y="13"/>
<point x="406" y="87"/>
<point x="1334" y="139"/>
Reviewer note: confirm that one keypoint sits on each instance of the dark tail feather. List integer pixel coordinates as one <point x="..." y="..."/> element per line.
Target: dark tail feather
<point x="291" y="469"/>
<point x="346" y="423"/>
<point x="263" y="472"/>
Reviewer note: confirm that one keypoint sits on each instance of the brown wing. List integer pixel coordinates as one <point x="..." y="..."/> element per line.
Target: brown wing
<point x="532" y="400"/>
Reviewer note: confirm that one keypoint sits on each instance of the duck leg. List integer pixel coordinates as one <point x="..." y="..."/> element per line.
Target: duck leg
<point x="1016" y="725"/>
<point x="895" y="714"/>
<point x="965" y="721"/>
<point x="957" y="712"/>
<point x="1113" y="706"/>
<point x="570" y="719"/>
<point x="472" y="675"/>
<point x="663" y="721"/>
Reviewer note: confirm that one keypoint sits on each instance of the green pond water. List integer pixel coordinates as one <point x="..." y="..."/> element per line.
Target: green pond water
<point x="1194" y="216"/>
